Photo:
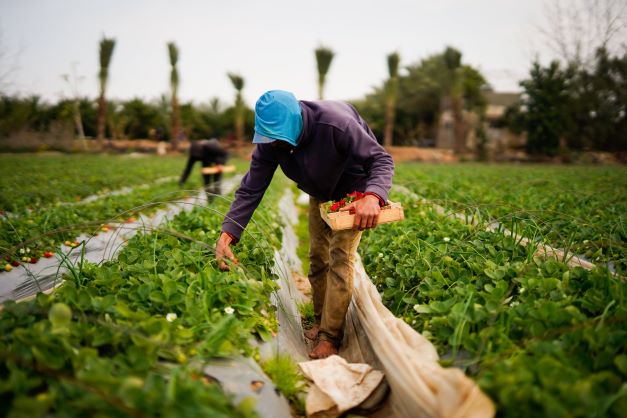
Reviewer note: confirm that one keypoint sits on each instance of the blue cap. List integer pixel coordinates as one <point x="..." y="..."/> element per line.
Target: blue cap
<point x="277" y="116"/>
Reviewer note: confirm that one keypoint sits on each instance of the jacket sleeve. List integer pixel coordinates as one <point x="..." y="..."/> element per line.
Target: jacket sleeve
<point x="358" y="141"/>
<point x="250" y="192"/>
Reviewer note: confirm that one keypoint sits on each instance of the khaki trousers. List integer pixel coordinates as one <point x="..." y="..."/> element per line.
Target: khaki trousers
<point x="332" y="258"/>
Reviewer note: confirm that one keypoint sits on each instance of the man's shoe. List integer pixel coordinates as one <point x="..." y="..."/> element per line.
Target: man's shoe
<point x="324" y="349"/>
<point x="312" y="333"/>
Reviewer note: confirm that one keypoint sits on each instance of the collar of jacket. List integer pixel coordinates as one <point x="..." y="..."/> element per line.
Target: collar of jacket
<point x="308" y="121"/>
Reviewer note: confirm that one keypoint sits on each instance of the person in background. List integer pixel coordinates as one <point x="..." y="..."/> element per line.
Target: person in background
<point x="329" y="151"/>
<point x="211" y="154"/>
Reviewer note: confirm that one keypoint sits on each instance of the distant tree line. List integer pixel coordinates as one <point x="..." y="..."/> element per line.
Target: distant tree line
<point x="438" y="83"/>
<point x="574" y="107"/>
<point x="563" y="108"/>
<point x="130" y="119"/>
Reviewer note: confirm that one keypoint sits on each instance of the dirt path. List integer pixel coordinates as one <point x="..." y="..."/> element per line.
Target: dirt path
<point x="302" y="285"/>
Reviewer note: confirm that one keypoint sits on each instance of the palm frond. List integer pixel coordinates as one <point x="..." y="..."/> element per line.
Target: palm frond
<point x="237" y="80"/>
<point x="393" y="60"/>
<point x="105" y="54"/>
<point x="324" y="56"/>
<point x="173" y="52"/>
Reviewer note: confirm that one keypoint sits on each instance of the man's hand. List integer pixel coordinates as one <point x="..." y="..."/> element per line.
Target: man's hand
<point x="366" y="212"/>
<point x="220" y="167"/>
<point x="223" y="249"/>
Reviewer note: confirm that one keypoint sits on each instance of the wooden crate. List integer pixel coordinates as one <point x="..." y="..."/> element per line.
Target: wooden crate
<point x="338" y="221"/>
<point x="217" y="169"/>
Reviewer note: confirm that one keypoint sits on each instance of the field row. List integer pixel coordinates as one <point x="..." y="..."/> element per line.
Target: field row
<point x="29" y="237"/>
<point x="580" y="209"/>
<point x="31" y="181"/>
<point x="129" y="337"/>
<point x="542" y="339"/>
<point x="41" y="229"/>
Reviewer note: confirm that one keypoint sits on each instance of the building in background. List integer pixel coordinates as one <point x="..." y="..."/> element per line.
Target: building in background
<point x="498" y="139"/>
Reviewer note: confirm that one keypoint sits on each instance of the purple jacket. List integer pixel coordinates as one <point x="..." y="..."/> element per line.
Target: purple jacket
<point x="336" y="154"/>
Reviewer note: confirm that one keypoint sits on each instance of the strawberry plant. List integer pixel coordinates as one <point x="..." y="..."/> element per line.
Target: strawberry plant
<point x="129" y="337"/>
<point x="542" y="339"/>
<point x="581" y="209"/>
<point x="44" y="180"/>
<point x="43" y="231"/>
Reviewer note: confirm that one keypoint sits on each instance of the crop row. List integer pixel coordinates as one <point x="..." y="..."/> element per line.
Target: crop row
<point x="33" y="181"/>
<point x="129" y="337"/>
<point x="542" y="339"/>
<point x="43" y="231"/>
<point x="581" y="209"/>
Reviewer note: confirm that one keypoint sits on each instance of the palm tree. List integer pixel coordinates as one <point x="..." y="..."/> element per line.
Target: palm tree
<point x="105" y="54"/>
<point x="324" y="56"/>
<point x="391" y="91"/>
<point x="453" y="90"/>
<point x="173" y="53"/>
<point x="238" y="83"/>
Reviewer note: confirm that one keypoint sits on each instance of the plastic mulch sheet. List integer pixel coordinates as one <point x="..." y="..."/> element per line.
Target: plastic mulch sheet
<point x="419" y="386"/>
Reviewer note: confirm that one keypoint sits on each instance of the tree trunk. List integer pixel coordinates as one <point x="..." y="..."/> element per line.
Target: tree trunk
<point x="175" y="123"/>
<point x="102" y="113"/>
<point x="459" y="128"/>
<point x="239" y="128"/>
<point x="390" y="112"/>
<point x="239" y="118"/>
<point x="78" y="122"/>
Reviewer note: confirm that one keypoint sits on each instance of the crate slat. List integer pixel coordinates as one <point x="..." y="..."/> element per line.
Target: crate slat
<point x="393" y="212"/>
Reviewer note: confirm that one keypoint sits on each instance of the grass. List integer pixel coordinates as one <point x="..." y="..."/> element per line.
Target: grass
<point x="307" y="315"/>
<point x="288" y="380"/>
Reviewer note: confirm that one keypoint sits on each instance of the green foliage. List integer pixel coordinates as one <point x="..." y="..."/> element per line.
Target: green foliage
<point x="542" y="339"/>
<point x="307" y="315"/>
<point x="585" y="212"/>
<point x="173" y="55"/>
<point x="68" y="178"/>
<point x="288" y="379"/>
<point x="546" y="108"/>
<point x="324" y="57"/>
<point x="129" y="337"/>
<point x="141" y="117"/>
<point x="452" y="58"/>
<point x="21" y="113"/>
<point x="105" y="53"/>
<point x="53" y="215"/>
<point x="420" y="93"/>
<point x="237" y="81"/>
<point x="583" y="108"/>
<point x="393" y="60"/>
<point x="239" y="108"/>
<point x="598" y="105"/>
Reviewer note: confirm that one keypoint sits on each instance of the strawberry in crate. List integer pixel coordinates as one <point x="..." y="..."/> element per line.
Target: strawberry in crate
<point x="350" y="198"/>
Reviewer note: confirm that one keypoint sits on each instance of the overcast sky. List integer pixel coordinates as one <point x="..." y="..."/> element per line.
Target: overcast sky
<point x="270" y="43"/>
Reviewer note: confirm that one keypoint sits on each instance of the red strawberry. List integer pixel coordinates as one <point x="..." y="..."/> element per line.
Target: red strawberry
<point x="15" y="263"/>
<point x="33" y="260"/>
<point x="48" y="254"/>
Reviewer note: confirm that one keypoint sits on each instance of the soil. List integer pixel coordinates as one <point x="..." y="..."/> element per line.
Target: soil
<point x="303" y="285"/>
<point x="435" y="155"/>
